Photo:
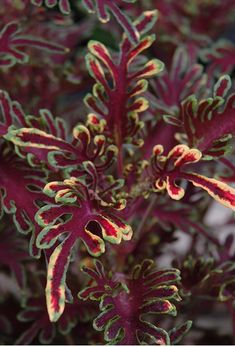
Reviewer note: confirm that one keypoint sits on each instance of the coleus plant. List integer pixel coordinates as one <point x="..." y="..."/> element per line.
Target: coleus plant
<point x="118" y="169"/>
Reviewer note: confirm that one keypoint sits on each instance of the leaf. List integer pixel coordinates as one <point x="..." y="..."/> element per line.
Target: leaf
<point x="219" y="191"/>
<point x="195" y="24"/>
<point x="20" y="192"/>
<point x="119" y="82"/>
<point x="171" y="87"/>
<point x="38" y="143"/>
<point x="103" y="7"/>
<point x="12" y="253"/>
<point x="41" y="327"/>
<point x="43" y="140"/>
<point x="74" y="313"/>
<point x="85" y="220"/>
<point x="220" y="57"/>
<point x="11" y="39"/>
<point x="64" y="5"/>
<point x="124" y="305"/>
<point x="55" y="288"/>
<point x="176" y="334"/>
<point x="166" y="170"/>
<point x="101" y="283"/>
<point x="18" y="198"/>
<point x="208" y="127"/>
<point x="33" y="130"/>
<point x="11" y="113"/>
<point x="35" y="314"/>
<point x="183" y="218"/>
<point x="209" y="278"/>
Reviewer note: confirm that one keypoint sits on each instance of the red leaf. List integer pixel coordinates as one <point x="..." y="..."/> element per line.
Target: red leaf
<point x="124" y="305"/>
<point x="218" y="190"/>
<point x="84" y="219"/>
<point x="208" y="127"/>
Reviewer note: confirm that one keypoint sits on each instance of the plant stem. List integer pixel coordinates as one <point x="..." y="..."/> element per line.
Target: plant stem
<point x="120" y="162"/>
<point x="146" y="215"/>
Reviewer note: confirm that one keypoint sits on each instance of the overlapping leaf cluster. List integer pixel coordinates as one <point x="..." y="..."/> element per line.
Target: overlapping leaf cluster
<point x="117" y="145"/>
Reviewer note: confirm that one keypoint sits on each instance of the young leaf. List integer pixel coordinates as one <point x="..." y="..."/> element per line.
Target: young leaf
<point x="119" y="82"/>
